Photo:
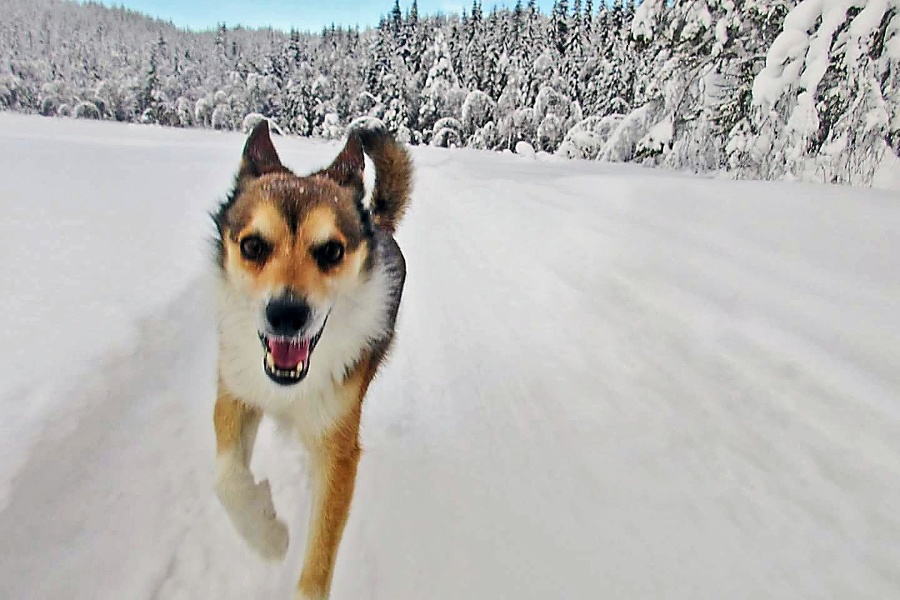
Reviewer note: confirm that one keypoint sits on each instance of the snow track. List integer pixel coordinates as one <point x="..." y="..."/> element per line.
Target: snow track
<point x="608" y="383"/>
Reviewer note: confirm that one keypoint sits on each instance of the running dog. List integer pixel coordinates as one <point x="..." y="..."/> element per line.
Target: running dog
<point x="310" y="280"/>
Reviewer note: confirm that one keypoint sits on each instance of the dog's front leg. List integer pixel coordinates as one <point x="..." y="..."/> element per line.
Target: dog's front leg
<point x="333" y="477"/>
<point x="248" y="504"/>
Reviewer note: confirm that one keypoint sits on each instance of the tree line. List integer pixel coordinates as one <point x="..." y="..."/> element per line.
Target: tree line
<point x="759" y="88"/>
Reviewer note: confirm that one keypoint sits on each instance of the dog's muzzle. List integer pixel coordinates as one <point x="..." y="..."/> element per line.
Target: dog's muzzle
<point x="286" y="342"/>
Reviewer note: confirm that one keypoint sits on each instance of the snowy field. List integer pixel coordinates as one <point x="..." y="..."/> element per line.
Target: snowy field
<point x="608" y="383"/>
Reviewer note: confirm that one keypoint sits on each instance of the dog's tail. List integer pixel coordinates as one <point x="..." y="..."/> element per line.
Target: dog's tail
<point x="389" y="196"/>
<point x="380" y="168"/>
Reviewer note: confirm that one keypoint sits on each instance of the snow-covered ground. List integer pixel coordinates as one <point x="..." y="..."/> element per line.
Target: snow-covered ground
<point x="608" y="383"/>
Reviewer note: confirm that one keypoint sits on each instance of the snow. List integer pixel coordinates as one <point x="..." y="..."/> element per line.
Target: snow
<point x="866" y="23"/>
<point x="524" y="149"/>
<point x="658" y="136"/>
<point x="587" y="138"/>
<point x="804" y="120"/>
<point x="888" y="174"/>
<point x="605" y="378"/>
<point x="783" y="67"/>
<point x="646" y="16"/>
<point x="477" y="110"/>
<point x="798" y="57"/>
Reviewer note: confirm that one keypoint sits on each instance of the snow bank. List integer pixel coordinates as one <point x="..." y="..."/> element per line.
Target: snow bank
<point x="524" y="149"/>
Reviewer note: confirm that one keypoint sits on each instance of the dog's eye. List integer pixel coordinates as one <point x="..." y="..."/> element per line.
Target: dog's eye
<point x="329" y="254"/>
<point x="254" y="248"/>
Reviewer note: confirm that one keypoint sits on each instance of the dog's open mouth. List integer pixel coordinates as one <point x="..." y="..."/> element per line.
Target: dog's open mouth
<point x="286" y="360"/>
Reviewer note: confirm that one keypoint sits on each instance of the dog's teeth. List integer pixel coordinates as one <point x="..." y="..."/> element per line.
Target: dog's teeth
<point x="274" y="370"/>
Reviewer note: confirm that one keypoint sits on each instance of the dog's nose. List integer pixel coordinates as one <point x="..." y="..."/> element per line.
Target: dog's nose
<point x="287" y="316"/>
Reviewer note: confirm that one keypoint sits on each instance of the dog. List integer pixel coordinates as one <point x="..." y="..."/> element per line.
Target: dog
<point x="310" y="281"/>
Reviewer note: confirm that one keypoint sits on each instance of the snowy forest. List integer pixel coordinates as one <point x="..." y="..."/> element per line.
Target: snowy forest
<point x="770" y="89"/>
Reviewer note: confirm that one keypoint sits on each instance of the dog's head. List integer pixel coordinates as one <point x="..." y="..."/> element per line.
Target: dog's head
<point x="290" y="246"/>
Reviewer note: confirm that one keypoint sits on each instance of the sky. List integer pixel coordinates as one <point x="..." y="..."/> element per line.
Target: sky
<point x="285" y="14"/>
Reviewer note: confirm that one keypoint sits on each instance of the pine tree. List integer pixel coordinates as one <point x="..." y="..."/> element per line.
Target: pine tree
<point x="517" y="19"/>
<point x="588" y="18"/>
<point x="474" y="74"/>
<point x="530" y="37"/>
<point x="475" y="19"/>
<point x="559" y="26"/>
<point x="837" y="120"/>
<point x="415" y="41"/>
<point x="576" y="26"/>
<point x="441" y="95"/>
<point x="396" y="18"/>
<point x="148" y="100"/>
<point x="616" y="19"/>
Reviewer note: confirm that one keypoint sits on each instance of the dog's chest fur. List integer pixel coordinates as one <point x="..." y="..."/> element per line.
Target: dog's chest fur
<point x="361" y="321"/>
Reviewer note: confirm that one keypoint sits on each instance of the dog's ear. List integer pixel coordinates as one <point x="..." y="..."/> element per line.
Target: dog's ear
<point x="349" y="166"/>
<point x="259" y="157"/>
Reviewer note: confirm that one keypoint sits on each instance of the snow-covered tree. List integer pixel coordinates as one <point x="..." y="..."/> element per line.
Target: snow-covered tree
<point x="762" y="88"/>
<point x="829" y="88"/>
<point x="442" y="95"/>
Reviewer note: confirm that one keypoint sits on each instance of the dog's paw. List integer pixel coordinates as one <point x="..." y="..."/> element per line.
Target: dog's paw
<point x="250" y="507"/>
<point x="273" y="540"/>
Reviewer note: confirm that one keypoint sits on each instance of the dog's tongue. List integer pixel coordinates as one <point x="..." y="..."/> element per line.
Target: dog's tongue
<point x="289" y="353"/>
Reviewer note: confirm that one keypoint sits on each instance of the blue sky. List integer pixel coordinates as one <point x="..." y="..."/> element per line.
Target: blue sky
<point x="284" y="14"/>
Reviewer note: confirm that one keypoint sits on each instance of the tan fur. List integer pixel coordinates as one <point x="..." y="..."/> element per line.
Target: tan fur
<point x="335" y="460"/>
<point x="236" y="424"/>
<point x="291" y="264"/>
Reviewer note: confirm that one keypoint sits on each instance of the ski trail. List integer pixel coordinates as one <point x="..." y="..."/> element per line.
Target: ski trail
<point x="117" y="475"/>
